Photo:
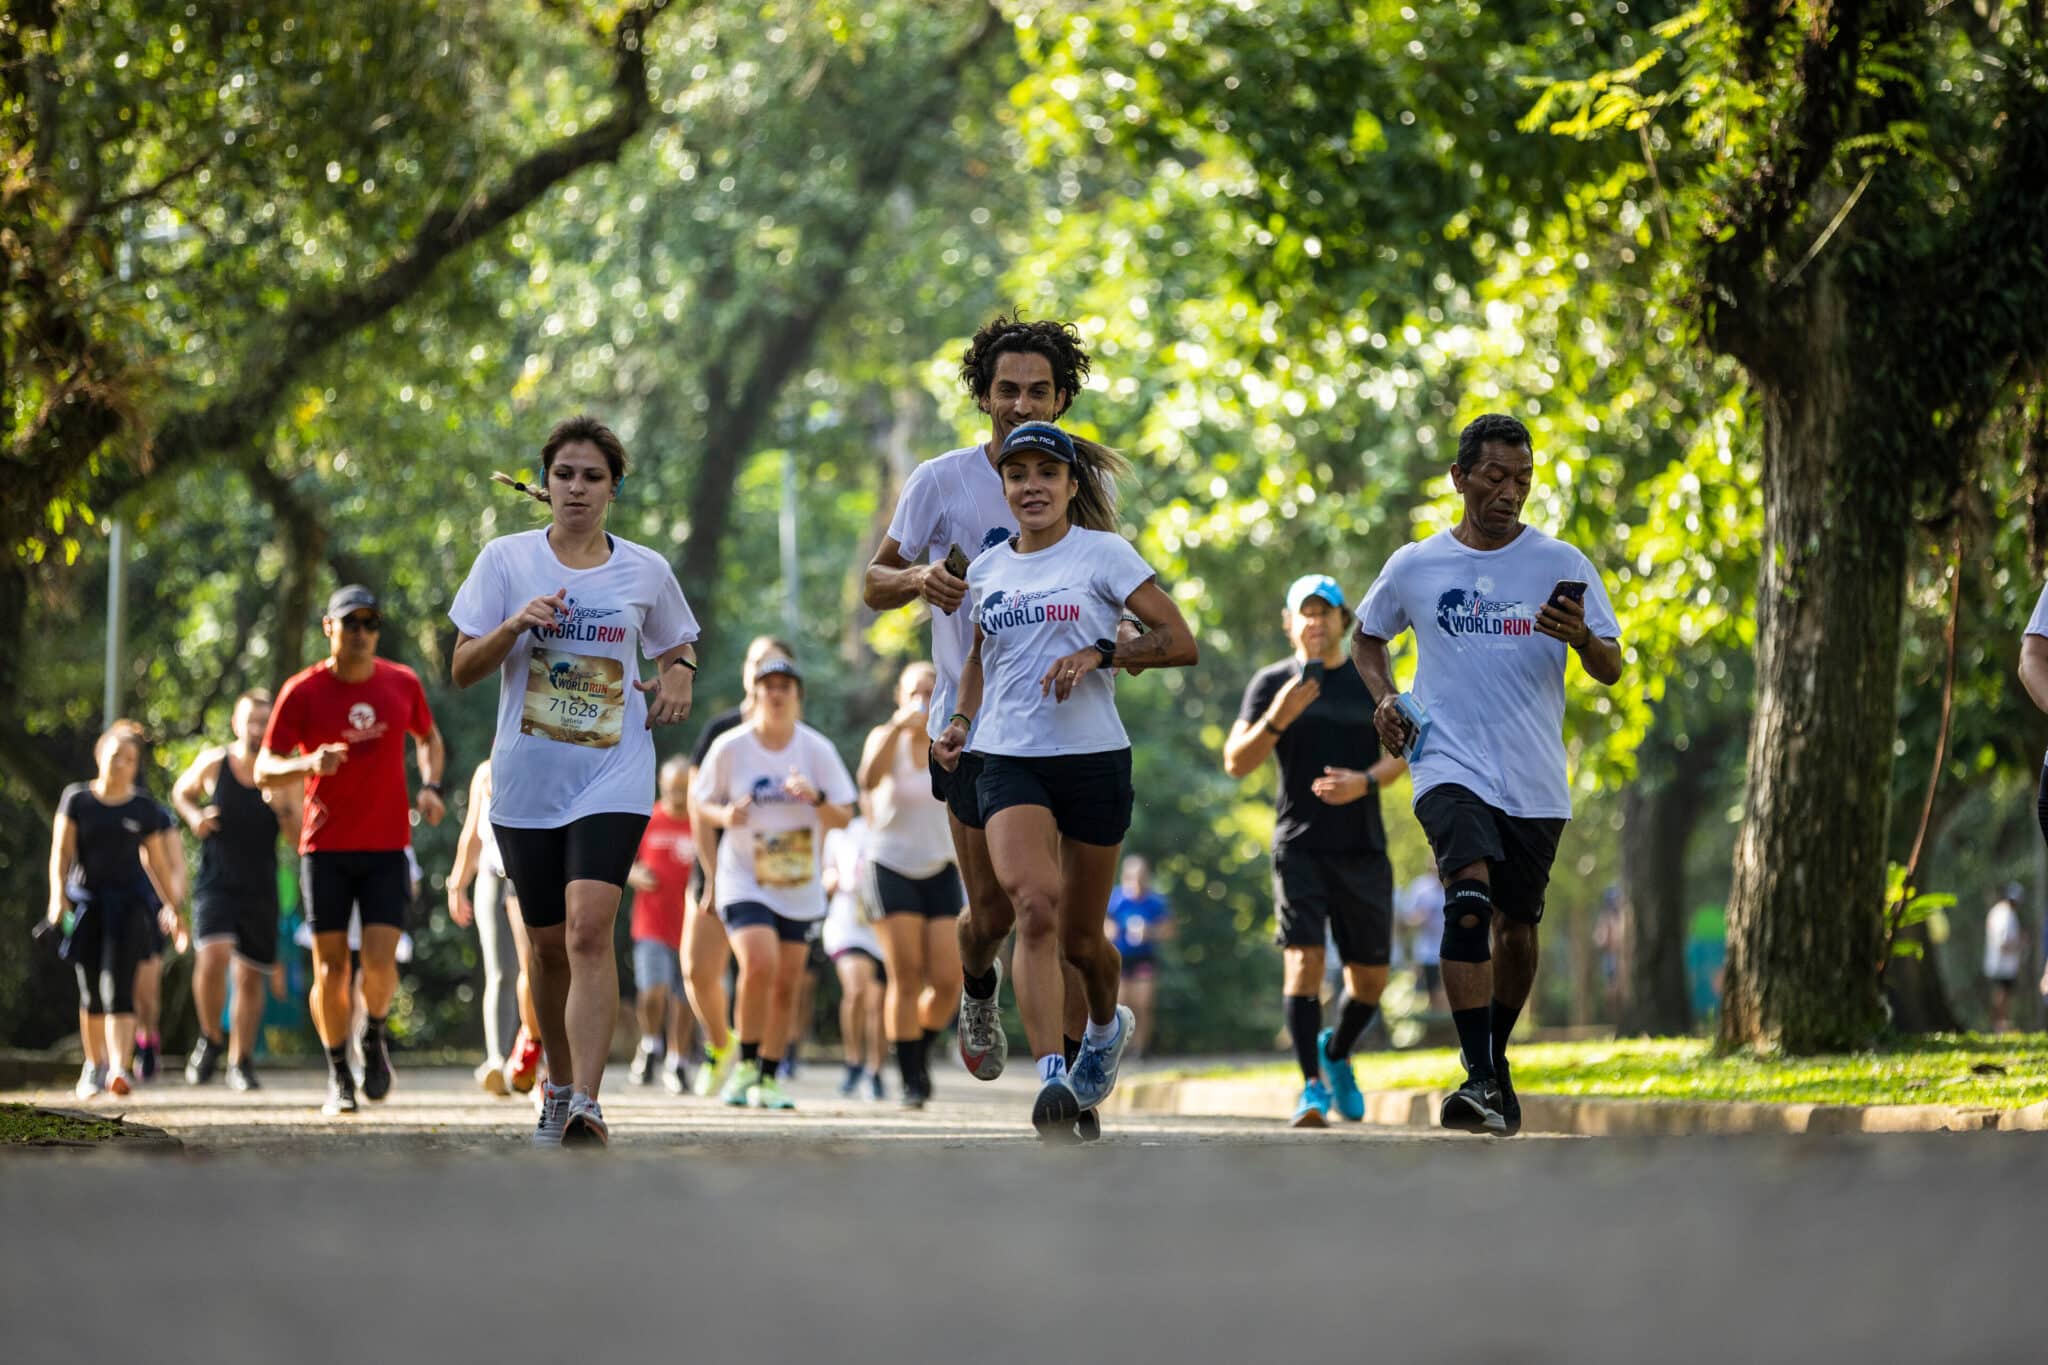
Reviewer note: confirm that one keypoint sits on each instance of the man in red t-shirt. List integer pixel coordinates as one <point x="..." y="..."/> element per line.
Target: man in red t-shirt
<point x="346" y="719"/>
<point x="661" y="880"/>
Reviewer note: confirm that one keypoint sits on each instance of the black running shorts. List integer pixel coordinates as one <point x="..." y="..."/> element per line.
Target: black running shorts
<point x="542" y="862"/>
<point x="247" y="920"/>
<point x="1351" y="893"/>
<point x="935" y="897"/>
<point x="1089" y="795"/>
<point x="959" y="789"/>
<point x="752" y="914"/>
<point x="378" y="885"/>
<point x="1518" y="851"/>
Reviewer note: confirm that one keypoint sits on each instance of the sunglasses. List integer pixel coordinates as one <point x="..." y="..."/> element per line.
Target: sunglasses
<point x="369" y="625"/>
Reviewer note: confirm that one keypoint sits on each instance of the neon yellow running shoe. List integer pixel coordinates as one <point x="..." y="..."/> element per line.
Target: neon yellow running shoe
<point x="740" y="1083"/>
<point x="717" y="1066"/>
<point x="766" y="1093"/>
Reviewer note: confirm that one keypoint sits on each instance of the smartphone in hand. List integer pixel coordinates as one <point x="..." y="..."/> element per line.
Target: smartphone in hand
<point x="1312" y="671"/>
<point x="956" y="564"/>
<point x="1572" y="588"/>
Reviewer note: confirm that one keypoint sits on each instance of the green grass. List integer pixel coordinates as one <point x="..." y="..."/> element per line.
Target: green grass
<point x="1968" y="1068"/>
<point x="24" y="1125"/>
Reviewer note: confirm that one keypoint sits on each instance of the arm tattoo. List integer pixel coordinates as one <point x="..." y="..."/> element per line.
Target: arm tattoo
<point x="1148" y="648"/>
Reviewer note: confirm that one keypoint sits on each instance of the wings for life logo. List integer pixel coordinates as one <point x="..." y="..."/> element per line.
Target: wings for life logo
<point x="766" y="791"/>
<point x="1474" y="615"/>
<point x="362" y="723"/>
<point x="1001" y="611"/>
<point x="579" y="622"/>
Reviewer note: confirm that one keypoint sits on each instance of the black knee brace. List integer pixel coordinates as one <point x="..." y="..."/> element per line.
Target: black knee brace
<point x="1468" y="900"/>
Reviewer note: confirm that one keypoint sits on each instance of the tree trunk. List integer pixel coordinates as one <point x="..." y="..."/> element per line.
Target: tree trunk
<point x="1658" y="817"/>
<point x="1803" y="919"/>
<point x="41" y="764"/>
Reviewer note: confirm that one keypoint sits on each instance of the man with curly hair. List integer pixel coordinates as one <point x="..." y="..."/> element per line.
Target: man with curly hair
<point x="1018" y="372"/>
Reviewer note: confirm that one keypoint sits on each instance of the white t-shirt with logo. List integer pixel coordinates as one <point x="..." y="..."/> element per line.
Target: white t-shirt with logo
<point x="955" y="499"/>
<point x="2004" y="944"/>
<point x="847" y="926"/>
<point x="776" y="858"/>
<point x="572" y="729"/>
<point x="2037" y="624"/>
<point x="1493" y="685"/>
<point x="1038" y="607"/>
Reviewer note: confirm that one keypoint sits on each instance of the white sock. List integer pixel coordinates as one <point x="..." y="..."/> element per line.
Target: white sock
<point x="650" y="1043"/>
<point x="1101" y="1035"/>
<point x="1051" y="1067"/>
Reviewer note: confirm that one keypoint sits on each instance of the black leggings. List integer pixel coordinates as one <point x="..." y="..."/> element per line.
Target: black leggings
<point x="107" y="944"/>
<point x="542" y="862"/>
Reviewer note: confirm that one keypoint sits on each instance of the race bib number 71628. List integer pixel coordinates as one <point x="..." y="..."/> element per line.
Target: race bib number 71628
<point x="574" y="698"/>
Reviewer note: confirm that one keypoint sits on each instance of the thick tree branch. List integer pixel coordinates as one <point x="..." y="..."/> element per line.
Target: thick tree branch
<point x="788" y="329"/>
<point x="311" y="326"/>
<point x="87" y="213"/>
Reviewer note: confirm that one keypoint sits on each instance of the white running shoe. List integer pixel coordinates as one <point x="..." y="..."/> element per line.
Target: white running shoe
<point x="90" y="1083"/>
<point x="553" y="1103"/>
<point x="984" y="1047"/>
<point x="119" y="1082"/>
<point x="1093" y="1074"/>
<point x="585" y="1125"/>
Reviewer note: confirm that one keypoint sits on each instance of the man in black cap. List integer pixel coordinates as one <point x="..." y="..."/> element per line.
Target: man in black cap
<point x="339" y="727"/>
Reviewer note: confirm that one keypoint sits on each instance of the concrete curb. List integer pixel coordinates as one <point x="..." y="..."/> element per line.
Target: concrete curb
<point x="1225" y="1097"/>
<point x="34" y="1070"/>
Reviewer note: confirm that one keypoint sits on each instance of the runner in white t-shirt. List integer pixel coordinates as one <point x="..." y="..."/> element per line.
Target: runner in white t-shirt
<point x="1018" y="372"/>
<point x="1497" y="608"/>
<point x="776" y="787"/>
<point x="561" y="615"/>
<point x="1038" y="703"/>
<point x="916" y="884"/>
<point x="856" y="953"/>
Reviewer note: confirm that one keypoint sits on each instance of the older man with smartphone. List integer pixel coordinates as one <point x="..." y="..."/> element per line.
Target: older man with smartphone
<point x="1498" y="608"/>
<point x="1330" y="866"/>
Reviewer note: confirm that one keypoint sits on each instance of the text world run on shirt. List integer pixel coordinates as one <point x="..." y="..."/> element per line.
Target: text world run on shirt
<point x="578" y="623"/>
<point x="1473" y="613"/>
<point x="1005" y="611"/>
<point x="766" y="791"/>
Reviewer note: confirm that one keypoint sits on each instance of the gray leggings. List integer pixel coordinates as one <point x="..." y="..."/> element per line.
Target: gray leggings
<point x="494" y="906"/>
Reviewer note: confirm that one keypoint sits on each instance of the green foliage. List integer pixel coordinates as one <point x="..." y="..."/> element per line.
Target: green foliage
<point x="1305" y="241"/>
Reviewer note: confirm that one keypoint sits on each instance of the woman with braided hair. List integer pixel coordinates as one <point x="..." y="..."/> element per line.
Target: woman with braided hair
<point x="562" y="614"/>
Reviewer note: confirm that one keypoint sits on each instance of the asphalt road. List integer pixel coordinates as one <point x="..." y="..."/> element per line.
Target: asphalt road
<point x="426" y="1230"/>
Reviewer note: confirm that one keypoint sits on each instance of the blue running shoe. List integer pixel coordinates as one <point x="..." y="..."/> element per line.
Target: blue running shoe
<point x="1337" y="1074"/>
<point x="1313" y="1109"/>
<point x="1093" y="1074"/>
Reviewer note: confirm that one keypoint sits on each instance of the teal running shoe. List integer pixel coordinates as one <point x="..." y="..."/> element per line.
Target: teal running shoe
<point x="1338" y="1076"/>
<point x="1314" y="1109"/>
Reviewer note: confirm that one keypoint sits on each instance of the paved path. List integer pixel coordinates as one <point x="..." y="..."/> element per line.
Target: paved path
<point x="425" y="1231"/>
<point x="443" y="1112"/>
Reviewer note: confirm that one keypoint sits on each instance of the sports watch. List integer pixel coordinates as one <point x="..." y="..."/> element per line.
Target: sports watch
<point x="1107" y="649"/>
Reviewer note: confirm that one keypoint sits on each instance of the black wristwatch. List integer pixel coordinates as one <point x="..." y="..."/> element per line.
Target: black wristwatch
<point x="434" y="787"/>
<point x="1107" y="649"/>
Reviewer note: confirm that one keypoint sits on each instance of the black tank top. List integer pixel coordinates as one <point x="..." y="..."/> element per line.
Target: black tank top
<point x="240" y="858"/>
